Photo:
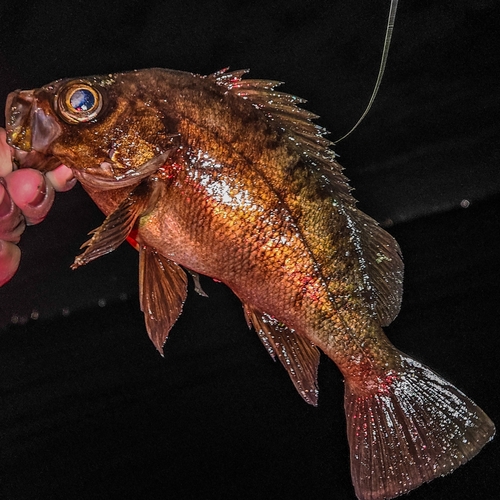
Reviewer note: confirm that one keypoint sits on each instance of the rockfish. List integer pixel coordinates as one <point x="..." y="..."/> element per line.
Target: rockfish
<point x="227" y="177"/>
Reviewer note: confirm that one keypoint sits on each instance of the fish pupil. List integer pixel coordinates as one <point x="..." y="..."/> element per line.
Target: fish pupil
<point x="82" y="100"/>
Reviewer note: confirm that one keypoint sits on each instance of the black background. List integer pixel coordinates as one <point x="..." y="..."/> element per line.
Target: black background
<point x="88" y="409"/>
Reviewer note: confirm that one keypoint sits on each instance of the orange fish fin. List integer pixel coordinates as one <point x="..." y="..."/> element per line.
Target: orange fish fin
<point x="297" y="355"/>
<point x="162" y="293"/>
<point x="117" y="226"/>
<point x="414" y="428"/>
<point x="305" y="135"/>
<point x="382" y="264"/>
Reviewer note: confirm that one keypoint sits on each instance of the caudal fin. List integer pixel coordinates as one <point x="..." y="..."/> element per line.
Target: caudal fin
<point x="415" y="428"/>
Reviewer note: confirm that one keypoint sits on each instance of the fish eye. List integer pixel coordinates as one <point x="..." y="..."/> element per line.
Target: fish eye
<point x="79" y="102"/>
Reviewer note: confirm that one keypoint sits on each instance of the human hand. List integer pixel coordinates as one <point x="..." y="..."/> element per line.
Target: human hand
<point x="26" y="197"/>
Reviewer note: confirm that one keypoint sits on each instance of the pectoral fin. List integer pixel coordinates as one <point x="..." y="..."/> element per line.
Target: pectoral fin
<point x="117" y="225"/>
<point x="297" y="355"/>
<point x="162" y="292"/>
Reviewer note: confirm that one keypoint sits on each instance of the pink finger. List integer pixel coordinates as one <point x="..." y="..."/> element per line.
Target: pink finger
<point x="11" y="219"/>
<point x="5" y="154"/>
<point x="61" y="178"/>
<point x="10" y="255"/>
<point x="31" y="192"/>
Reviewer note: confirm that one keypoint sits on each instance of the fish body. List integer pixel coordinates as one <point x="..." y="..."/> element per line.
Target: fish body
<point x="226" y="177"/>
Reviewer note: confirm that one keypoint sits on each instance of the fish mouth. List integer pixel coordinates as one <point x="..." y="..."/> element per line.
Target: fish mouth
<point x="30" y="128"/>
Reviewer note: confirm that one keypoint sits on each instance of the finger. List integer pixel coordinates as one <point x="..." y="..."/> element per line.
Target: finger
<point x="10" y="255"/>
<point x="5" y="154"/>
<point x="12" y="222"/>
<point x="61" y="178"/>
<point x="31" y="192"/>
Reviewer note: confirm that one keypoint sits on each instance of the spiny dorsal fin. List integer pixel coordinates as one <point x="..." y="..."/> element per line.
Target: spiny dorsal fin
<point x="307" y="136"/>
<point x="297" y="355"/>
<point x="162" y="293"/>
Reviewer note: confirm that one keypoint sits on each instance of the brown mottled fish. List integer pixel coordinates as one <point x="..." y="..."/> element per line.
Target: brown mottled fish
<point x="229" y="178"/>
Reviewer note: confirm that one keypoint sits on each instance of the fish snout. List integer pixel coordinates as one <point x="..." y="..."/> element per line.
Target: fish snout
<point x="29" y="126"/>
<point x="18" y="119"/>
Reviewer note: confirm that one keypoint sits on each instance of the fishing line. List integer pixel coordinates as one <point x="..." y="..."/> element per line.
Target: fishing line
<point x="385" y="54"/>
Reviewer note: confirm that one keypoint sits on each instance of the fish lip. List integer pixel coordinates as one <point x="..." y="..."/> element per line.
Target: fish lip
<point x="29" y="127"/>
<point x="17" y="119"/>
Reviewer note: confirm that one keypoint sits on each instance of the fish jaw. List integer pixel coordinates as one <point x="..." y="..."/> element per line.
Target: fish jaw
<point x="30" y="127"/>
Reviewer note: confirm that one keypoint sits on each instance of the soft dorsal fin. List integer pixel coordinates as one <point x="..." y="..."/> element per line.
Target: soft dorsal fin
<point x="297" y="355"/>
<point x="381" y="261"/>
<point x="162" y="293"/>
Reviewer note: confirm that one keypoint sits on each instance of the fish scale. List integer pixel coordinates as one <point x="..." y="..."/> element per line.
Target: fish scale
<point x="227" y="177"/>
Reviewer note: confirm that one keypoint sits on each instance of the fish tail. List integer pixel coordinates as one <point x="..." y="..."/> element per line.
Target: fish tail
<point x="415" y="427"/>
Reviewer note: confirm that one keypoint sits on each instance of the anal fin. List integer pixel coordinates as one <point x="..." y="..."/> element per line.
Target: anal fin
<point x="297" y="355"/>
<point x="162" y="293"/>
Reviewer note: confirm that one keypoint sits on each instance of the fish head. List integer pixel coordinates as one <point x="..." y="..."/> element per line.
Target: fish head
<point x="109" y="129"/>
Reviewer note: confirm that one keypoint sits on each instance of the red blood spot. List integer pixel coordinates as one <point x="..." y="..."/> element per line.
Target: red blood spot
<point x="131" y="238"/>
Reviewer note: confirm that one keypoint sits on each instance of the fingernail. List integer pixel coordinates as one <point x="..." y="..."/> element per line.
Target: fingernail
<point x="35" y="211"/>
<point x="61" y="178"/>
<point x="70" y="184"/>
<point x="40" y="196"/>
<point x="11" y="220"/>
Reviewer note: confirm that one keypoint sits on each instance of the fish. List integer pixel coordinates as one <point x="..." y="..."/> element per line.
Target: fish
<point x="228" y="177"/>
